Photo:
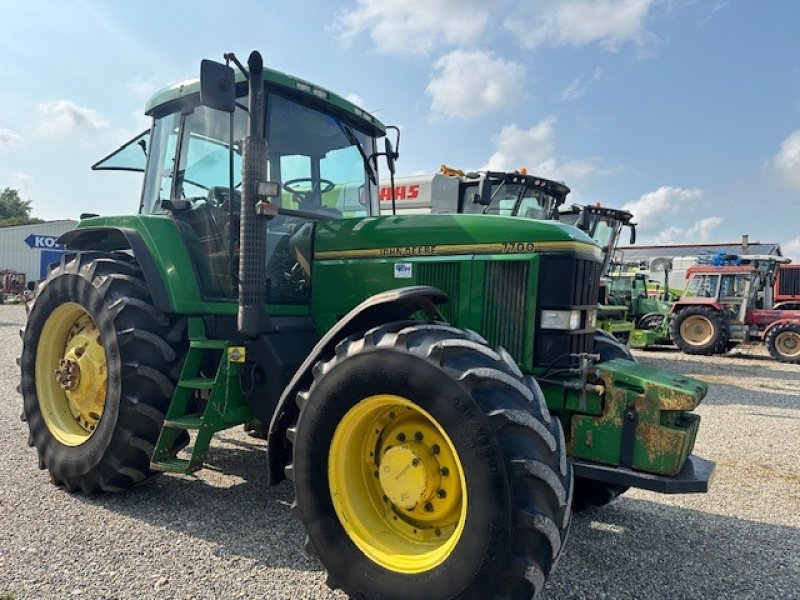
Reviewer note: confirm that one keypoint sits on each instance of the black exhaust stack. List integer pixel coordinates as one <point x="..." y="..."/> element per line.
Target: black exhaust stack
<point x="252" y="319"/>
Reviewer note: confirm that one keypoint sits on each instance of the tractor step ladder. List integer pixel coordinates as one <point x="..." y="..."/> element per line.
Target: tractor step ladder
<point x="221" y="410"/>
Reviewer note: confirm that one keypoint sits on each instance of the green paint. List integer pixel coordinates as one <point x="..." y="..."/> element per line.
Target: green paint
<point x="175" y="265"/>
<point x="404" y="231"/>
<point x="226" y="406"/>
<point x="665" y="431"/>
<point x="189" y="90"/>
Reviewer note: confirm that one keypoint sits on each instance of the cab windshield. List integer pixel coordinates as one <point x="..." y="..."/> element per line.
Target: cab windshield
<point x="316" y="157"/>
<point x="511" y="200"/>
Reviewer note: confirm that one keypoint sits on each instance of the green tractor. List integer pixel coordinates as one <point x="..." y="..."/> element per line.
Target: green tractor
<point x="427" y="383"/>
<point x="518" y="194"/>
<point x="647" y="304"/>
<point x="604" y="225"/>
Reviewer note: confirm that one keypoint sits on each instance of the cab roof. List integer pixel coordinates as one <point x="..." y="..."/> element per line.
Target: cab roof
<point x="173" y="97"/>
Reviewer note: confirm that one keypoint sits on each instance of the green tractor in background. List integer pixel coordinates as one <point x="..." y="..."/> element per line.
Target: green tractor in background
<point x="428" y="383"/>
<point x="604" y="225"/>
<point x="647" y="304"/>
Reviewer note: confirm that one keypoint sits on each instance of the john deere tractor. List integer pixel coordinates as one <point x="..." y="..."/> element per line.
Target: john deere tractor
<point x="427" y="383"/>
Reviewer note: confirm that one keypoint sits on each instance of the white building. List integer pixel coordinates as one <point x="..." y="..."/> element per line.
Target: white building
<point x="30" y="249"/>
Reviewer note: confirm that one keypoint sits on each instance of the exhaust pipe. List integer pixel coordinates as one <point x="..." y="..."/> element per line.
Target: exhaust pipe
<point x="252" y="320"/>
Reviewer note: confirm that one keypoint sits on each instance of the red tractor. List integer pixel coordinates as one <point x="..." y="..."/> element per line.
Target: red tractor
<point x="724" y="305"/>
<point x="12" y="283"/>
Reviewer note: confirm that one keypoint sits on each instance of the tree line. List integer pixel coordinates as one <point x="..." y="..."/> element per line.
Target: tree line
<point x="14" y="210"/>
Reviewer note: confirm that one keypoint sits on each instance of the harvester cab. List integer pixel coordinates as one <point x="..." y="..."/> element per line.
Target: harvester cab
<point x="731" y="301"/>
<point x="427" y="383"/>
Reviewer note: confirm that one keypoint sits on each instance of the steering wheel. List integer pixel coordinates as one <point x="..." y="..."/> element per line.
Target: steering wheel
<point x="325" y="185"/>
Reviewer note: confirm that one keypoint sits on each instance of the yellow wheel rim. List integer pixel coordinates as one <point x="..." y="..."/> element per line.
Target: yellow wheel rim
<point x="697" y="330"/>
<point x="397" y="484"/>
<point x="788" y="343"/>
<point x="71" y="374"/>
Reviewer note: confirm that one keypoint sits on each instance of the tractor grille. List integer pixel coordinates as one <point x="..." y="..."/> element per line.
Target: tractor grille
<point x="505" y="297"/>
<point x="447" y="277"/>
<point x="789" y="281"/>
<point x="565" y="282"/>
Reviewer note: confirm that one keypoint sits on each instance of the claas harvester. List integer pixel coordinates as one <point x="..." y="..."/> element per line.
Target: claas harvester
<point x="426" y="383"/>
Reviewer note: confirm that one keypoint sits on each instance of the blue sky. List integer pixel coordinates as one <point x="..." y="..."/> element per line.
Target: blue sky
<point x="686" y="112"/>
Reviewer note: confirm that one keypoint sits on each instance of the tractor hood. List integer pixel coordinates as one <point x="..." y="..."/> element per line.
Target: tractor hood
<point x="413" y="235"/>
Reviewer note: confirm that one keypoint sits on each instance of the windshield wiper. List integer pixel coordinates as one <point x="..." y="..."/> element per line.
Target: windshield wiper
<point x="351" y="137"/>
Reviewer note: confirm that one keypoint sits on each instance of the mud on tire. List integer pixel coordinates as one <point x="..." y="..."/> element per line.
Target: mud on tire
<point x="144" y="350"/>
<point x="512" y="452"/>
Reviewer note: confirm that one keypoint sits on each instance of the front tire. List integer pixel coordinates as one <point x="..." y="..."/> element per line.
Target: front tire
<point x="699" y="330"/>
<point x="783" y="343"/>
<point x="99" y="365"/>
<point x="426" y="465"/>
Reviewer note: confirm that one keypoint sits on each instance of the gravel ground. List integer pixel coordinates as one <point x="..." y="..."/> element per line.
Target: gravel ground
<point x="225" y="534"/>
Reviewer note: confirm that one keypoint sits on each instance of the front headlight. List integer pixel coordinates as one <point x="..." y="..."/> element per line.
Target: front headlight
<point x="567" y="320"/>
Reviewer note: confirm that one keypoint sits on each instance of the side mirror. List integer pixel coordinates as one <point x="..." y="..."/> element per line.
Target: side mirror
<point x="390" y="156"/>
<point x="217" y="86"/>
<point x="484" y="195"/>
<point x="633" y="234"/>
<point x="585" y="220"/>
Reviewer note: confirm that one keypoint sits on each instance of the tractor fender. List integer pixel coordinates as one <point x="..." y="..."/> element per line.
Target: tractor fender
<point x="793" y="320"/>
<point x="385" y="307"/>
<point x="110" y="239"/>
<point x="681" y="304"/>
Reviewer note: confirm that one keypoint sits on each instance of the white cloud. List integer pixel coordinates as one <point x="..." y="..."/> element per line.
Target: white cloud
<point x="468" y="84"/>
<point x="701" y="231"/>
<point x="791" y="249"/>
<point x="656" y="210"/>
<point x="9" y="139"/>
<point x="578" y="22"/>
<point x="20" y="181"/>
<point x="355" y="99"/>
<point x="787" y="161"/>
<point x="579" y="85"/>
<point x="414" y="26"/>
<point x="62" y="117"/>
<point x="658" y="213"/>
<point x="534" y="149"/>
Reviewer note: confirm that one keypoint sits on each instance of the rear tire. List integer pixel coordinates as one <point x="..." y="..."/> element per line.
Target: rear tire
<point x="651" y="321"/>
<point x="142" y="349"/>
<point x="783" y="343"/>
<point x="699" y="330"/>
<point x="510" y="451"/>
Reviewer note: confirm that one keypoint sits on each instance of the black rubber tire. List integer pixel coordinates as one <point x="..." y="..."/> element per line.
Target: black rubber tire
<point x="718" y="343"/>
<point x="609" y="347"/>
<point x="593" y="494"/>
<point x="772" y="346"/>
<point x="144" y="351"/>
<point x="652" y="320"/>
<point x="512" y="451"/>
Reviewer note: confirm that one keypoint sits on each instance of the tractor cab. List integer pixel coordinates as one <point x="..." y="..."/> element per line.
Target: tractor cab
<point x="729" y="289"/>
<point x="512" y="194"/>
<point x="603" y="225"/>
<point x="319" y="149"/>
